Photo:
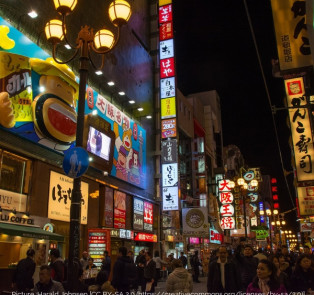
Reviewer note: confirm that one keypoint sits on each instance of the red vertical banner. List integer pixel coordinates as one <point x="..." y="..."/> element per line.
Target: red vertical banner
<point x="119" y="209"/>
<point x="108" y="216"/>
<point x="148" y="216"/>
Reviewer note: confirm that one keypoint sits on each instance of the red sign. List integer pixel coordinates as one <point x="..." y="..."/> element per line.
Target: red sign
<point x="165" y="13"/>
<point x="227" y="223"/>
<point x="144" y="237"/>
<point x="166" y="31"/>
<point x="167" y="67"/>
<point x="215" y="237"/>
<point x="148" y="213"/>
<point x="119" y="209"/>
<point x="98" y="242"/>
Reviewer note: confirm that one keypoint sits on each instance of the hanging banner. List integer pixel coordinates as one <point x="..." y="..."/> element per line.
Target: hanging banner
<point x="195" y="222"/>
<point x="60" y="195"/>
<point x="169" y="174"/>
<point x="300" y="129"/>
<point x="291" y="34"/>
<point x="119" y="209"/>
<point x="169" y="151"/>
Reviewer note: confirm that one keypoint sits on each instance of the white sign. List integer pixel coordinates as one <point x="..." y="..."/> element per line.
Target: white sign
<point x="166" y="49"/>
<point x="226" y="210"/>
<point x="195" y="222"/>
<point x="60" y="194"/>
<point x="10" y="200"/>
<point x="167" y="87"/>
<point x="169" y="174"/>
<point x="306" y="200"/>
<point x="170" y="198"/>
<point x="227" y="223"/>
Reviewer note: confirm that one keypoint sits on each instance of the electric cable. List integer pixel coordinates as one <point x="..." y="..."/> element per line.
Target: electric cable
<point x="268" y="97"/>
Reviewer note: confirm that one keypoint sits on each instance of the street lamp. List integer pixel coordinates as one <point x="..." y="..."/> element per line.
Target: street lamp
<point x="87" y="42"/>
<point x="244" y="185"/>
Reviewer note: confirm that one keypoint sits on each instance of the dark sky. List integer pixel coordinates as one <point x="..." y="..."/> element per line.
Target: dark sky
<point x="215" y="50"/>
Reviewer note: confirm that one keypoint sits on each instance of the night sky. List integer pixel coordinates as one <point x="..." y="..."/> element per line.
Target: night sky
<point x="215" y="51"/>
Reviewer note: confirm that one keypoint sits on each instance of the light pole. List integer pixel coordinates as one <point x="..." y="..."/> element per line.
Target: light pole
<point x="243" y="188"/>
<point x="87" y="42"/>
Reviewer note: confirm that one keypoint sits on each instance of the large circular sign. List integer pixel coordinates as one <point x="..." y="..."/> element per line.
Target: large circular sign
<point x="195" y="218"/>
<point x="249" y="175"/>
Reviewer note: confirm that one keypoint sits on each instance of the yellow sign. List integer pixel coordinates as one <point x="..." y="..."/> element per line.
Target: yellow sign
<point x="291" y="34"/>
<point x="168" y="108"/>
<point x="300" y="129"/>
<point x="164" y="2"/>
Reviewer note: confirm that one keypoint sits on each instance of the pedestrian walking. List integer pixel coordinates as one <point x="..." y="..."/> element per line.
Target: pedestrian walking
<point x="23" y="275"/>
<point x="84" y="260"/>
<point x="140" y="262"/>
<point x="222" y="274"/>
<point x="106" y="263"/>
<point x="180" y="280"/>
<point x="159" y="263"/>
<point x="183" y="259"/>
<point x="302" y="279"/>
<point x="246" y="265"/>
<point x="266" y="281"/>
<point x="124" y="272"/>
<point x="149" y="273"/>
<point x="195" y="264"/>
<point x="46" y="284"/>
<point x="57" y="266"/>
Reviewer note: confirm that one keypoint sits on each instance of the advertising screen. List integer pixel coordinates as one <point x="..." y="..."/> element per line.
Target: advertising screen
<point x="98" y="143"/>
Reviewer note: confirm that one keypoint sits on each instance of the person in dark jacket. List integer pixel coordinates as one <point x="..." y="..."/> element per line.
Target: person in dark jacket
<point x="195" y="264"/>
<point x="57" y="266"/>
<point x="120" y="278"/>
<point x="46" y="284"/>
<point x="222" y="275"/>
<point x="23" y="275"/>
<point x="106" y="263"/>
<point x="246" y="265"/>
<point x="149" y="272"/>
<point x="303" y="276"/>
<point x="140" y="262"/>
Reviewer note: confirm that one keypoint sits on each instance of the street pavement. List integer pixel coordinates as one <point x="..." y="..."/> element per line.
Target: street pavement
<point x="197" y="287"/>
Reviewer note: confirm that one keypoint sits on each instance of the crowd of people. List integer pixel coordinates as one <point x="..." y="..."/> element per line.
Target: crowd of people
<point x="279" y="273"/>
<point x="228" y="272"/>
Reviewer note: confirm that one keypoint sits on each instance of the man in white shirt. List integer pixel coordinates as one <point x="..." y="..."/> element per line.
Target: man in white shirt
<point x="222" y="274"/>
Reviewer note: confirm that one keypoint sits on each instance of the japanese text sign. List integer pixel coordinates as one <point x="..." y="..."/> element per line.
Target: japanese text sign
<point x="227" y="223"/>
<point x="300" y="129"/>
<point x="291" y="34"/>
<point x="169" y="174"/>
<point x="169" y="128"/>
<point x="306" y="200"/>
<point x="60" y="195"/>
<point x="119" y="209"/>
<point x="169" y="151"/>
<point x="148" y="216"/>
<point x="138" y="214"/>
<point x="167" y="67"/>
<point x="170" y="198"/>
<point x="165" y="13"/>
<point x="168" y="108"/>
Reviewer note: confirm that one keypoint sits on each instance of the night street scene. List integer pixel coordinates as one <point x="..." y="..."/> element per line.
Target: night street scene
<point x="156" y="147"/>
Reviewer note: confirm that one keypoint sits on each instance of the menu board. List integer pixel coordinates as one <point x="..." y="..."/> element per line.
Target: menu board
<point x="98" y="242"/>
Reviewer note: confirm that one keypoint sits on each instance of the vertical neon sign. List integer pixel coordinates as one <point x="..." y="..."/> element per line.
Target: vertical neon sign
<point x="170" y="173"/>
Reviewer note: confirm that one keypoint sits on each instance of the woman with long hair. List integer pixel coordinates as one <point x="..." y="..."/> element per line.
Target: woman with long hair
<point x="303" y="275"/>
<point x="266" y="280"/>
<point x="282" y="276"/>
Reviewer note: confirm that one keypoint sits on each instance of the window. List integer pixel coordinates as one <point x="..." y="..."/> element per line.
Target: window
<point x="14" y="172"/>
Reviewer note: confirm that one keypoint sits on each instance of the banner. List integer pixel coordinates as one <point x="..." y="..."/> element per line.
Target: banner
<point x="291" y="34"/>
<point x="119" y="209"/>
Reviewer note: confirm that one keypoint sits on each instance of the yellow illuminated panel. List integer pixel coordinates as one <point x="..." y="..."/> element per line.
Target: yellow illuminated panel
<point x="168" y="107"/>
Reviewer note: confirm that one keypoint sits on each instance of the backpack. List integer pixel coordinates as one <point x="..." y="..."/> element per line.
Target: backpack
<point x="130" y="274"/>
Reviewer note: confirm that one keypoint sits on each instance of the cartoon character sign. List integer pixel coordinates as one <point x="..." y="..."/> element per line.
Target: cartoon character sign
<point x="52" y="112"/>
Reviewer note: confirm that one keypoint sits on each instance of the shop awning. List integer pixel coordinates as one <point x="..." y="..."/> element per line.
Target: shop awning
<point x="29" y="232"/>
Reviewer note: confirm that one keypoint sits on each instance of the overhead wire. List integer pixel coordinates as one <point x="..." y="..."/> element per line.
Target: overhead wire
<point x="268" y="98"/>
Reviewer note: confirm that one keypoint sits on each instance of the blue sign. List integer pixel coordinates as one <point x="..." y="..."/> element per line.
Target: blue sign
<point x="75" y="162"/>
